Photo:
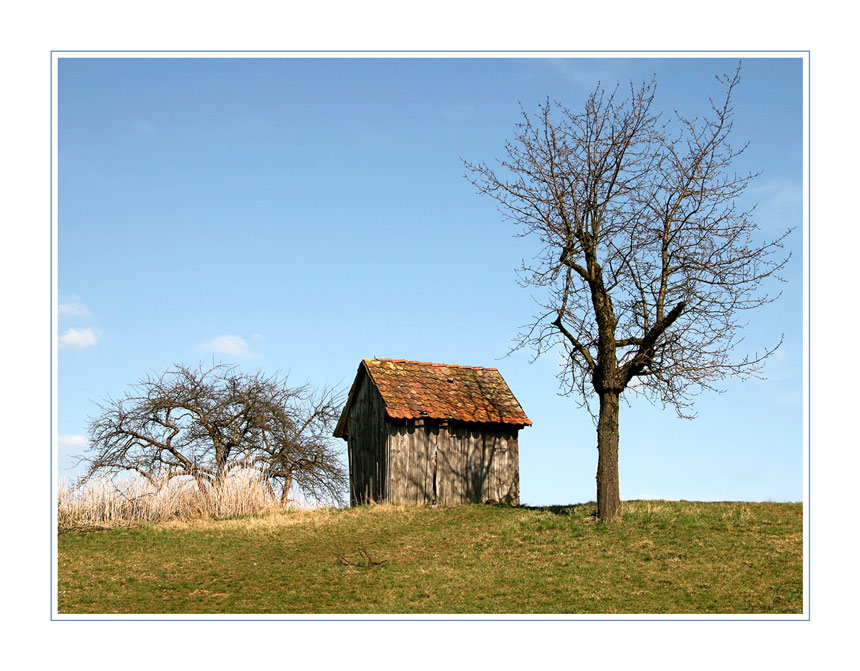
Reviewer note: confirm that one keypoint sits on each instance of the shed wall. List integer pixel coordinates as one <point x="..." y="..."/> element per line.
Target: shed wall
<point x="367" y="443"/>
<point x="474" y="462"/>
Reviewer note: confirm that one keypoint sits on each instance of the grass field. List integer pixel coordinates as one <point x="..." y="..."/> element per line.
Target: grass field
<point x="663" y="557"/>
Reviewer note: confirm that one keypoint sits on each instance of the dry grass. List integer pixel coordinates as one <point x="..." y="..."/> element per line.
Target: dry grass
<point x="108" y="504"/>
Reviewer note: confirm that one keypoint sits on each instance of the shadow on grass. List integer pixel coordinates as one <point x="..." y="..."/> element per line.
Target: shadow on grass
<point x="573" y="510"/>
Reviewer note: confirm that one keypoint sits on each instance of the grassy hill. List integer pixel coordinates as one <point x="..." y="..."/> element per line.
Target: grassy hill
<point x="663" y="557"/>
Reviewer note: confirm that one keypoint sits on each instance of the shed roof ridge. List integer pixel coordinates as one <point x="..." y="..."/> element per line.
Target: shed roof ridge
<point x="429" y="363"/>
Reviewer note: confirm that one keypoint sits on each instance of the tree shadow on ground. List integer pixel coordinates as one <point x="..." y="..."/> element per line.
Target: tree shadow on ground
<point x="571" y="510"/>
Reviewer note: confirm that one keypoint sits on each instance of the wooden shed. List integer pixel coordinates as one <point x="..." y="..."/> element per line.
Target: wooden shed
<point x="427" y="433"/>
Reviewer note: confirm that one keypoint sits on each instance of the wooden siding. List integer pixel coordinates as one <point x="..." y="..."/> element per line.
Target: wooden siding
<point x="366" y="437"/>
<point x="474" y="462"/>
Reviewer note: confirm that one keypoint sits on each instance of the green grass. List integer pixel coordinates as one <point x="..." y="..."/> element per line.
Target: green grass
<point x="663" y="557"/>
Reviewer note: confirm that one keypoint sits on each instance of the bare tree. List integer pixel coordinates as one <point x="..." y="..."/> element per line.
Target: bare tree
<point x="647" y="262"/>
<point x="204" y="423"/>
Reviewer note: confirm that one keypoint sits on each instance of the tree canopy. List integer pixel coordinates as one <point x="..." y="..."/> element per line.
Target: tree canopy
<point x="647" y="260"/>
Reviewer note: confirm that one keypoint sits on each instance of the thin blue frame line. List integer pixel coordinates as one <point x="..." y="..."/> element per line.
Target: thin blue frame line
<point x="809" y="322"/>
<point x="341" y="619"/>
<point x="54" y="579"/>
<point x="808" y="503"/>
<point x="428" y="51"/>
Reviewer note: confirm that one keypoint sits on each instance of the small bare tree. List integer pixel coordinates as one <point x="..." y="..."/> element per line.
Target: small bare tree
<point x="204" y="423"/>
<point x="646" y="260"/>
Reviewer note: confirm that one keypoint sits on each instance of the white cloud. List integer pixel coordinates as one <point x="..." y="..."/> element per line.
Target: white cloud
<point x="72" y="306"/>
<point x="227" y="344"/>
<point x="73" y="440"/>
<point x="80" y="338"/>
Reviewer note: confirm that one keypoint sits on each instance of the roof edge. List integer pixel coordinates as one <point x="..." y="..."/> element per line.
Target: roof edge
<point x="430" y="363"/>
<point x="344" y="414"/>
<point x="364" y="369"/>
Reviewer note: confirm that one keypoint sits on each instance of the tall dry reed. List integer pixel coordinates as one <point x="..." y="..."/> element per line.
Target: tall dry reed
<point x="108" y="503"/>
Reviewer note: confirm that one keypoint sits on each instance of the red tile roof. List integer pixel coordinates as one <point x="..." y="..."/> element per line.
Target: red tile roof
<point x="416" y="389"/>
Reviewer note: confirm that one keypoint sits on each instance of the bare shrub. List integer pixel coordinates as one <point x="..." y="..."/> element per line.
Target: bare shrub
<point x="204" y="424"/>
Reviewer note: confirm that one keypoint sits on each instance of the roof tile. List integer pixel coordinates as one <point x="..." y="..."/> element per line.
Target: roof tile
<point x="416" y="389"/>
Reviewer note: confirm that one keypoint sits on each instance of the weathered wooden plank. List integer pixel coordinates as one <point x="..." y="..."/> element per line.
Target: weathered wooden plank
<point x="444" y="459"/>
<point x="431" y="463"/>
<point x="496" y="469"/>
<point x="398" y="457"/>
<point x="406" y="473"/>
<point x="515" y="477"/>
<point x="456" y="471"/>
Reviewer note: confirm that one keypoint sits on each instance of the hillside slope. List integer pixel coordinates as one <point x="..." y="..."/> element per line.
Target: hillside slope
<point x="663" y="557"/>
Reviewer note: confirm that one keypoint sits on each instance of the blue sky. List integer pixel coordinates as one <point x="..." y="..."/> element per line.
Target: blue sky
<point x="297" y="215"/>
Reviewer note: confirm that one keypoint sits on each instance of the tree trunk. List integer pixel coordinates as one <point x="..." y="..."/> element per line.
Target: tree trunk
<point x="608" y="490"/>
<point x="285" y="493"/>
